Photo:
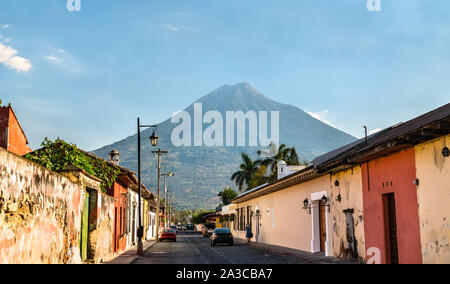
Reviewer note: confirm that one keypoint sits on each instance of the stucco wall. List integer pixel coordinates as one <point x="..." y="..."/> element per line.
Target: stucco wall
<point x="386" y="175"/>
<point x="433" y="172"/>
<point x="39" y="212"/>
<point x="350" y="191"/>
<point x="101" y="237"/>
<point x="292" y="225"/>
<point x="17" y="139"/>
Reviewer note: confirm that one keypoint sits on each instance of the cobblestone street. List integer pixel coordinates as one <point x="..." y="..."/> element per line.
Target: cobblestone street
<point x="194" y="249"/>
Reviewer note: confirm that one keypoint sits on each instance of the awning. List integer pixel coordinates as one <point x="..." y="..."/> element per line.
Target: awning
<point x="229" y="210"/>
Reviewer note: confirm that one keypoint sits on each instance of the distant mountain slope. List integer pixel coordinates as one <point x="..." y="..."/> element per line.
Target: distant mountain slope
<point x="201" y="172"/>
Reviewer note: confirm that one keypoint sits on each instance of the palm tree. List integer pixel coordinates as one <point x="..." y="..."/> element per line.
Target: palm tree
<point x="289" y="155"/>
<point x="247" y="172"/>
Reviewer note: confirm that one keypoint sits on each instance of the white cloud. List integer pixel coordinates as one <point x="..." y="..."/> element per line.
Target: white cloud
<point x="375" y="131"/>
<point x="4" y="27"/>
<point x="320" y="115"/>
<point x="172" y="28"/>
<point x="52" y="58"/>
<point x="9" y="58"/>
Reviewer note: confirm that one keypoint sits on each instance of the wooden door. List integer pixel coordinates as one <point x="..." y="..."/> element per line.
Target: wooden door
<point x="390" y="228"/>
<point x="322" y="226"/>
<point x="85" y="228"/>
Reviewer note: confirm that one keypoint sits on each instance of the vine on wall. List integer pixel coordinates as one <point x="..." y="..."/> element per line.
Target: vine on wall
<point x="57" y="155"/>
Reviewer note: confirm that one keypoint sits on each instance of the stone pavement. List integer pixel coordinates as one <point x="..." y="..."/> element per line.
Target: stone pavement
<point x="314" y="258"/>
<point x="194" y="249"/>
<point x="130" y="256"/>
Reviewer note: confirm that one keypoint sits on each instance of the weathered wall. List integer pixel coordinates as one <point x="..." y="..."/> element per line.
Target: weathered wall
<point x="349" y="190"/>
<point x="433" y="172"/>
<point x="101" y="215"/>
<point x="39" y="212"/>
<point x="101" y="236"/>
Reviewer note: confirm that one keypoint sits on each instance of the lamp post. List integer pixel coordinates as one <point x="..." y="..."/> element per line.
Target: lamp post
<point x="154" y="141"/>
<point x="169" y="174"/>
<point x="159" y="153"/>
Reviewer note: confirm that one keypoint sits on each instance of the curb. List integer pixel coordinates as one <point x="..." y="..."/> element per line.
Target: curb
<point x="140" y="256"/>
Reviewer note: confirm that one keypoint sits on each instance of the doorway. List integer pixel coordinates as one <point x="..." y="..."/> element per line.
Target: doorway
<point x="85" y="228"/>
<point x="322" y="225"/>
<point x="390" y="220"/>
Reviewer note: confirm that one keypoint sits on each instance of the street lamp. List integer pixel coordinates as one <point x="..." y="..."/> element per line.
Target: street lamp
<point x="325" y="200"/>
<point x="154" y="141"/>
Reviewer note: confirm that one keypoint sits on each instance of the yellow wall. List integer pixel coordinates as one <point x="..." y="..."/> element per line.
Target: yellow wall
<point x="292" y="225"/>
<point x="433" y="193"/>
<point x="350" y="189"/>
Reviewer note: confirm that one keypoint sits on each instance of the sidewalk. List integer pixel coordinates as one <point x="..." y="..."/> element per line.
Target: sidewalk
<point x="313" y="258"/>
<point x="130" y="256"/>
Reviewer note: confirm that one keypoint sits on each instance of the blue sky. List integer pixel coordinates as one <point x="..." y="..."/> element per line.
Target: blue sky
<point x="91" y="73"/>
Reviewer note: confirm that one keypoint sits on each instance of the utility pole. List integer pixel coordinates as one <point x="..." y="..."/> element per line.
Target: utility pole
<point x="169" y="174"/>
<point x="159" y="153"/>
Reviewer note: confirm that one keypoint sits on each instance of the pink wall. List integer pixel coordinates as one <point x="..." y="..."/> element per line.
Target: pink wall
<point x="398" y="168"/>
<point x="39" y="212"/>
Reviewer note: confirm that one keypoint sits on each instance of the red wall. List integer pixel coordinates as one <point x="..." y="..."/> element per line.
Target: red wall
<point x="119" y="204"/>
<point x="17" y="140"/>
<point x="398" y="168"/>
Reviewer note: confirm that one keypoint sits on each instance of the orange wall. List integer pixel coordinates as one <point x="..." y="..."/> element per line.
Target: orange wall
<point x="16" y="138"/>
<point x="120" y="237"/>
<point x="398" y="168"/>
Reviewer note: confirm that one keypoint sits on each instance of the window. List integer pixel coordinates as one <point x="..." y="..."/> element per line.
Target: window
<point x="241" y="220"/>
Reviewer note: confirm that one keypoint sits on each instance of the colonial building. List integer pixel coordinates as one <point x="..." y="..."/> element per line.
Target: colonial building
<point x="381" y="199"/>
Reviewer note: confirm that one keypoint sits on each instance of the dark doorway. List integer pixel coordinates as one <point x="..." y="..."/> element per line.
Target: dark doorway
<point x="351" y="248"/>
<point x="390" y="228"/>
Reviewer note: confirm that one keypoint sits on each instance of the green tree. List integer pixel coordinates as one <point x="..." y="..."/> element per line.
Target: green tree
<point x="247" y="172"/>
<point x="289" y="155"/>
<point x="227" y="195"/>
<point x="197" y="217"/>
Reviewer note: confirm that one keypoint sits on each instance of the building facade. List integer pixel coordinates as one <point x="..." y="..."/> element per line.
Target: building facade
<point x="381" y="199"/>
<point x="12" y="136"/>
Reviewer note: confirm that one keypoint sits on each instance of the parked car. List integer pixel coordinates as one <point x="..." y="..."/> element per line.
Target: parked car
<point x="222" y="235"/>
<point x="190" y="227"/>
<point x="168" y="234"/>
<point x="174" y="228"/>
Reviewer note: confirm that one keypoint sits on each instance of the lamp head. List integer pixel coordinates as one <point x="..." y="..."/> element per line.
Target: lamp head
<point x="154" y="139"/>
